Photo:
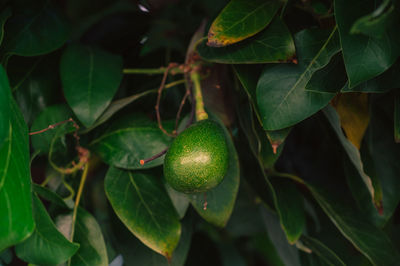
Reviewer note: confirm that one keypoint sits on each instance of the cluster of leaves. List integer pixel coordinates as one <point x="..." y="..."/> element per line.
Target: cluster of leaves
<point x="306" y="93"/>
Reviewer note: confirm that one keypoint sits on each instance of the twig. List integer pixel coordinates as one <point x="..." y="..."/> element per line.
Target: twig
<point x="157" y="107"/>
<point x="77" y="200"/>
<point x="158" y="155"/>
<point x="178" y="114"/>
<point x="52" y="126"/>
<point x="154" y="71"/>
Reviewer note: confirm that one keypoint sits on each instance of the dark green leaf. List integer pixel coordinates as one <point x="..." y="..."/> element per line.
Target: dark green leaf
<point x="130" y="140"/>
<point x="374" y="25"/>
<point x="362" y="234"/>
<point x="241" y="19"/>
<point x="327" y="255"/>
<point x="331" y="78"/>
<point x="179" y="200"/>
<point x="287" y="253"/>
<point x="30" y="34"/>
<point x="5" y="108"/>
<point x="397" y="118"/>
<point x="46" y="246"/>
<point x="390" y="79"/>
<point x="380" y="156"/>
<point x="365" y="57"/>
<point x="35" y="82"/>
<point x="49" y="195"/>
<point x="248" y="77"/>
<point x="221" y="199"/>
<point x="281" y="95"/>
<point x="135" y="253"/>
<point x="51" y="115"/>
<point x="274" y="44"/>
<point x="4" y="15"/>
<point x="92" y="250"/>
<point x="143" y="205"/>
<point x="17" y="221"/>
<point x="354" y="156"/>
<point x="117" y="105"/>
<point x="90" y="78"/>
<point x="289" y="205"/>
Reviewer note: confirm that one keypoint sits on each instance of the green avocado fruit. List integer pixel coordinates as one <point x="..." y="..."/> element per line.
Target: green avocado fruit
<point x="197" y="159"/>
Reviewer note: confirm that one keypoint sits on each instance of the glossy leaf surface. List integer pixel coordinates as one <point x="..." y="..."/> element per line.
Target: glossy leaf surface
<point x="46" y="246"/>
<point x="289" y="205"/>
<point x="241" y="19"/>
<point x="35" y="33"/>
<point x="365" y="57"/>
<point x="129" y="140"/>
<point x="92" y="250"/>
<point x="281" y="95"/>
<point x="273" y="44"/>
<point x="16" y="222"/>
<point x="90" y="78"/>
<point x="142" y="204"/>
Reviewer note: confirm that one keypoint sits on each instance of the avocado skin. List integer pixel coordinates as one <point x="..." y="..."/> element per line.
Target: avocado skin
<point x="197" y="159"/>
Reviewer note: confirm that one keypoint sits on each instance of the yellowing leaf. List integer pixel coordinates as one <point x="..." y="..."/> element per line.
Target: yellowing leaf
<point x="241" y="19"/>
<point x="354" y="116"/>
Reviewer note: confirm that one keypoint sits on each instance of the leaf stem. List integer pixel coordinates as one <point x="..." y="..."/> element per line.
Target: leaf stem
<point x="201" y="114"/>
<point x="153" y="71"/>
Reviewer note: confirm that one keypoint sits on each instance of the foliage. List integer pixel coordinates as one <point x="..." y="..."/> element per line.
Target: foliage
<point x="306" y="95"/>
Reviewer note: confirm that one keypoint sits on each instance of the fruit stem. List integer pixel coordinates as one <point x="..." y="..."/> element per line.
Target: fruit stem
<point x="198" y="96"/>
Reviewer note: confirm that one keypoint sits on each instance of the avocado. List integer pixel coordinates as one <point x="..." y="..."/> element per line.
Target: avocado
<point x="197" y="159"/>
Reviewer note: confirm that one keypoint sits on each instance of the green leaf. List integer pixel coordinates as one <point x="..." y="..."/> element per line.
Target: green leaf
<point x="287" y="253"/>
<point x="5" y="108"/>
<point x="397" y="118"/>
<point x="117" y="105"/>
<point x="289" y="205"/>
<point x="241" y="19"/>
<point x="4" y="15"/>
<point x="390" y="79"/>
<point x="354" y="156"/>
<point x="135" y="253"/>
<point x="49" y="195"/>
<point x="17" y="221"/>
<point x="248" y="77"/>
<point x="365" y="57"/>
<point x="274" y="44"/>
<point x="322" y="251"/>
<point x="130" y="140"/>
<point x="92" y="250"/>
<point x="179" y="200"/>
<point x="35" y="33"/>
<point x="34" y="82"/>
<point x="362" y="234"/>
<point x="331" y="78"/>
<point x="46" y="246"/>
<point x="380" y="154"/>
<point x="90" y="78"/>
<point x="51" y="115"/>
<point x="143" y="205"/>
<point x="221" y="199"/>
<point x="374" y="24"/>
<point x="281" y="95"/>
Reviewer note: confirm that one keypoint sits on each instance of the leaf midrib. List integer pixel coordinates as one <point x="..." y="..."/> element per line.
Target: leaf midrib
<point x="143" y="201"/>
<point x="305" y="71"/>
